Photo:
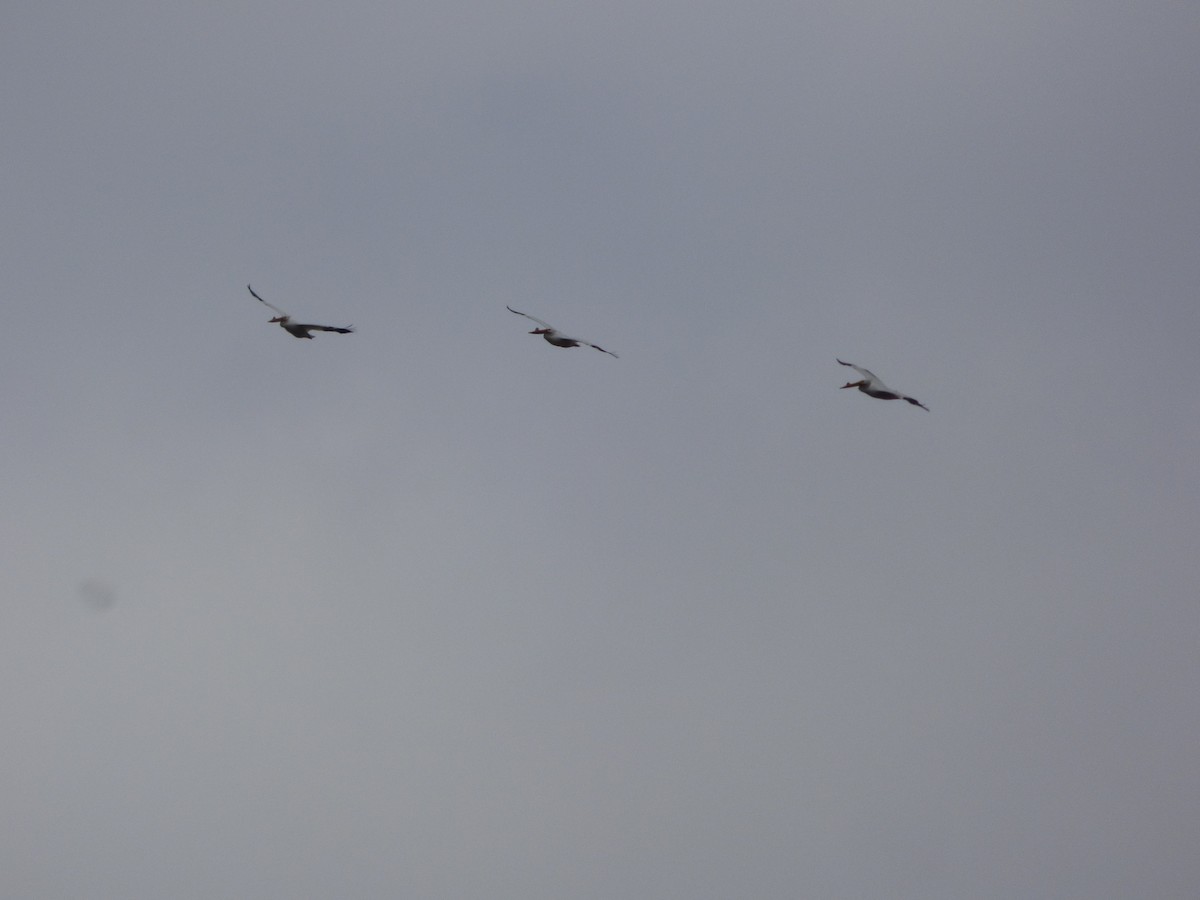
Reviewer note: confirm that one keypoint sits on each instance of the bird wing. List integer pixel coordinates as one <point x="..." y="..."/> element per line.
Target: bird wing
<point x="864" y="372"/>
<point x="528" y="316"/>
<point x="601" y="349"/>
<point x="349" y="329"/>
<point x="264" y="302"/>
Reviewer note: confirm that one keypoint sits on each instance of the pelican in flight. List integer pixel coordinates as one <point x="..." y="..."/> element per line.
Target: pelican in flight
<point x="556" y="337"/>
<point x="873" y="387"/>
<point x="296" y="329"/>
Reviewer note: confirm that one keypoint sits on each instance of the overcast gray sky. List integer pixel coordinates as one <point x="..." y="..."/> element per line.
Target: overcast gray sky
<point x="437" y="610"/>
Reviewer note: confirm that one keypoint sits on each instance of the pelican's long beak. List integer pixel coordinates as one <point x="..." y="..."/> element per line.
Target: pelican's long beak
<point x="539" y="331"/>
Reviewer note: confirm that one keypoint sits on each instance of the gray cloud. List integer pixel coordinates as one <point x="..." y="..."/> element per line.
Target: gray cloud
<point x="437" y="610"/>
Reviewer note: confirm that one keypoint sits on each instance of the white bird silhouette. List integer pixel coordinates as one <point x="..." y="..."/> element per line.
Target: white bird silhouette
<point x="296" y="329"/>
<point x="556" y="337"/>
<point x="873" y="387"/>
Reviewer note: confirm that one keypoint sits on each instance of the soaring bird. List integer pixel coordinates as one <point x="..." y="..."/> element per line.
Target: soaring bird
<point x="556" y="337"/>
<point x="873" y="387"/>
<point x="296" y="329"/>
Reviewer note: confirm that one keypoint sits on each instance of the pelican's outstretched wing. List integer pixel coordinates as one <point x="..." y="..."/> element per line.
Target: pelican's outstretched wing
<point x="866" y="373"/>
<point x="601" y="349"/>
<point x="528" y="316"/>
<point x="264" y="302"/>
<point x="349" y="329"/>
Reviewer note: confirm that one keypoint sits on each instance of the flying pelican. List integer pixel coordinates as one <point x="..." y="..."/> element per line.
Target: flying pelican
<point x="296" y="329"/>
<point x="873" y="387"/>
<point x="556" y="337"/>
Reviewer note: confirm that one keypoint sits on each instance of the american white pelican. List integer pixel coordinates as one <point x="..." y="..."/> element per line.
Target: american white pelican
<point x="873" y="387"/>
<point x="555" y="337"/>
<point x="296" y="329"/>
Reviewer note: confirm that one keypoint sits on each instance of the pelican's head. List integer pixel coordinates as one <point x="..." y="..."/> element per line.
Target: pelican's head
<point x="282" y="320"/>
<point x="541" y="331"/>
<point x="856" y="384"/>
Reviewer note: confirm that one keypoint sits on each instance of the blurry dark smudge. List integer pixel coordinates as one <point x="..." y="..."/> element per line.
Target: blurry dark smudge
<point x="97" y="595"/>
